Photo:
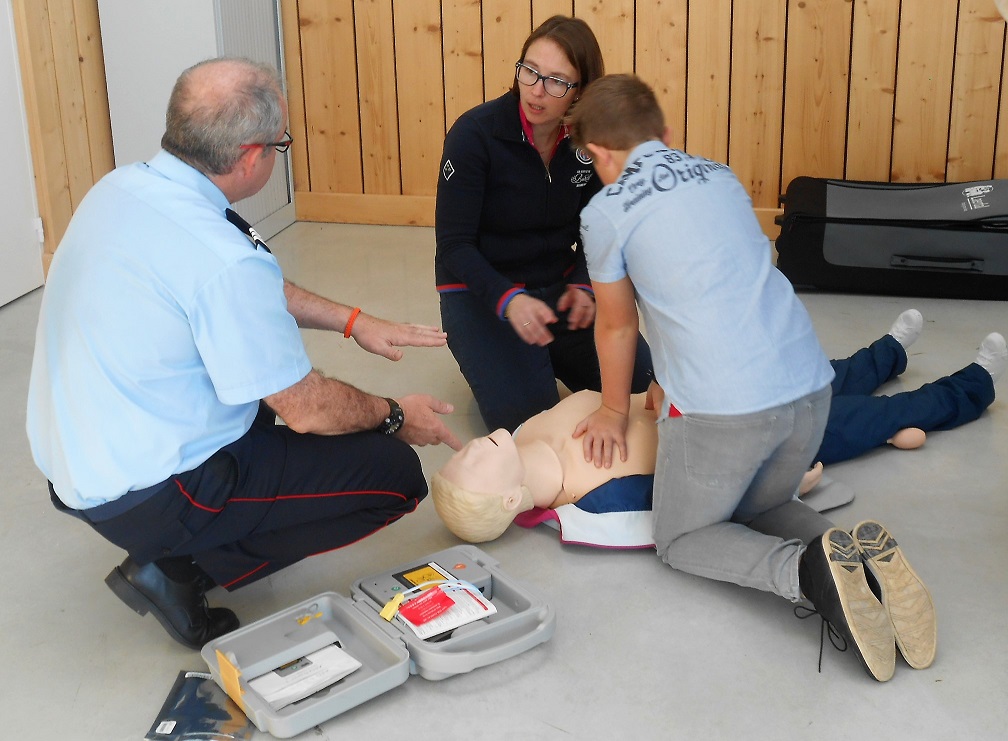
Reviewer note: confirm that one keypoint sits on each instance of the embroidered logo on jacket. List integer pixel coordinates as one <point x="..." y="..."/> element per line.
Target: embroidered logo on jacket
<point x="581" y="178"/>
<point x="448" y="170"/>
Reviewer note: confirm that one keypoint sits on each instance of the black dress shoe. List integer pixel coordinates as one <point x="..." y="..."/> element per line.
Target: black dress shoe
<point x="180" y="607"/>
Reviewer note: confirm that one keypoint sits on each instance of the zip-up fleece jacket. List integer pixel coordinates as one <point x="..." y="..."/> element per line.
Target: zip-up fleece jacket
<point x="504" y="220"/>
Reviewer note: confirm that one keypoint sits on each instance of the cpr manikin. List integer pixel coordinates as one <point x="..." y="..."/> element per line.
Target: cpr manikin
<point x="483" y="487"/>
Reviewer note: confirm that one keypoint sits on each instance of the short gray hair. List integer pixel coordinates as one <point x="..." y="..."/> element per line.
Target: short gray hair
<point x="207" y="130"/>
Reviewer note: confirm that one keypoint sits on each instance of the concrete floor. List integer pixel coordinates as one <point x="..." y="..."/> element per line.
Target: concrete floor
<point x="640" y="651"/>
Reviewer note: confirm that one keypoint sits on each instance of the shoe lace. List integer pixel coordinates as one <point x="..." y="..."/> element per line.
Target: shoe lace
<point x="826" y="628"/>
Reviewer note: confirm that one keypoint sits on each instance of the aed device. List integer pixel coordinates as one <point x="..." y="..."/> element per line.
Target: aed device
<point x="389" y="651"/>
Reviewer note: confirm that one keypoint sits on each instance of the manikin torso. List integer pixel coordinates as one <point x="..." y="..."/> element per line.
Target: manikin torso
<point x="553" y="428"/>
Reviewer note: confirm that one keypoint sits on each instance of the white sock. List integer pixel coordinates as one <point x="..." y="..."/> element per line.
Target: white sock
<point x="907" y="327"/>
<point x="993" y="355"/>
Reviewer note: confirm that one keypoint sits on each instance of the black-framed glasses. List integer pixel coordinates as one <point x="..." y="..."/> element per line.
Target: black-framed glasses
<point x="554" y="86"/>
<point x="281" y="146"/>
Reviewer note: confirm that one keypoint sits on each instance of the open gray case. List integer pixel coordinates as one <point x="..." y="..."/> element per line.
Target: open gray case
<point x="388" y="651"/>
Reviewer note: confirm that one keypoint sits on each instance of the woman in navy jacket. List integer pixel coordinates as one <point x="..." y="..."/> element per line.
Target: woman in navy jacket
<point x="516" y="300"/>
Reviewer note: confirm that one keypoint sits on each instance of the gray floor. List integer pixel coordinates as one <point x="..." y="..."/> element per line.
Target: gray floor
<point x="640" y="651"/>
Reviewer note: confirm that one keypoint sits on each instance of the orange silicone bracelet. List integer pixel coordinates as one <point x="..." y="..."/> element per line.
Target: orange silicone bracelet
<point x="350" y="321"/>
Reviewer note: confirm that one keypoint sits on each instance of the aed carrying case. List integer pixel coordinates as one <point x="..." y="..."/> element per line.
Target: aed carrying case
<point x="388" y="652"/>
<point x="945" y="240"/>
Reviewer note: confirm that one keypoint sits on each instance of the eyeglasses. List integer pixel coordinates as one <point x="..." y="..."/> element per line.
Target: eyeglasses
<point x="553" y="86"/>
<point x="281" y="146"/>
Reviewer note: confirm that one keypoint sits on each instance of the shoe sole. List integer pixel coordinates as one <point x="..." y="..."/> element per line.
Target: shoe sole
<point x="139" y="603"/>
<point x="903" y="594"/>
<point x="868" y="625"/>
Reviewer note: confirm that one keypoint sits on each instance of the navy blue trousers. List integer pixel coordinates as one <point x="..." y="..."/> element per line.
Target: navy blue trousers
<point x="512" y="380"/>
<point x="859" y="421"/>
<point x="270" y="499"/>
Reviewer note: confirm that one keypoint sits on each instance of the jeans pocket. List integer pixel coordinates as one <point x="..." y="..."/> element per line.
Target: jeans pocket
<point x="725" y="452"/>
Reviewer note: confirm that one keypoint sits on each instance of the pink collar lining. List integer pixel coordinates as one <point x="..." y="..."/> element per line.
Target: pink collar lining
<point x="527" y="128"/>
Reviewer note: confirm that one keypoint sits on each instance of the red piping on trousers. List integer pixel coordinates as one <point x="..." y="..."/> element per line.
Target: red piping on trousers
<point x="317" y="495"/>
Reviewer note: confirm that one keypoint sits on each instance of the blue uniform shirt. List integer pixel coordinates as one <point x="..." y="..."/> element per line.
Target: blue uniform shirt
<point x="161" y="328"/>
<point x="727" y="333"/>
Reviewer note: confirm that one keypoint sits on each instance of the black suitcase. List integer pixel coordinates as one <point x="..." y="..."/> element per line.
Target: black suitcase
<point x="947" y="240"/>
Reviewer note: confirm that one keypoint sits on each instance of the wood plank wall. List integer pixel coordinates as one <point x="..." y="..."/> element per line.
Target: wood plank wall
<point x="893" y="90"/>
<point x="63" y="75"/>
<point x="900" y="90"/>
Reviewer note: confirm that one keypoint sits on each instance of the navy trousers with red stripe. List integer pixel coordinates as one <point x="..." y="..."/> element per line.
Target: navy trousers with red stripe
<point x="270" y="499"/>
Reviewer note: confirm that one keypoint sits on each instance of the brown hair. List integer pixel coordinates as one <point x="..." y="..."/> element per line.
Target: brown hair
<point x="577" y="41"/>
<point x="617" y="112"/>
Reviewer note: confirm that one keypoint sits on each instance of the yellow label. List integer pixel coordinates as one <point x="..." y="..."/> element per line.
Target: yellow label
<point x="423" y="574"/>
<point x="230" y="675"/>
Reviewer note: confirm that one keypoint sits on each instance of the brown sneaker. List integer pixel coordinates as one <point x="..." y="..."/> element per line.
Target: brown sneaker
<point x="903" y="594"/>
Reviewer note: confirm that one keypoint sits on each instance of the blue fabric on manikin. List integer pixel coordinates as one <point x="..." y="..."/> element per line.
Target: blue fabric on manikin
<point x="617" y="514"/>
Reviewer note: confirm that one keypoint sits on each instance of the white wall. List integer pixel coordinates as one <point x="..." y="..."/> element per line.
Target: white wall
<point x="146" y="44"/>
<point x="20" y="248"/>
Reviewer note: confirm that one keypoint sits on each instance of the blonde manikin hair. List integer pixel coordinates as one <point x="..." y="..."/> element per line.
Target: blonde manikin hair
<point x="474" y="517"/>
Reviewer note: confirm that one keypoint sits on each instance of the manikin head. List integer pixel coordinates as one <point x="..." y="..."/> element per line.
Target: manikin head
<point x="481" y="488"/>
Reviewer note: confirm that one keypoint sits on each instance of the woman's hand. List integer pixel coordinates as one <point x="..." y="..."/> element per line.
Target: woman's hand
<point x="529" y="317"/>
<point x="603" y="432"/>
<point x="580" y="307"/>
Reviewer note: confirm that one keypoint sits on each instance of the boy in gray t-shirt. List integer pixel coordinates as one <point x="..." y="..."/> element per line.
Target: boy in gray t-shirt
<point x="746" y="383"/>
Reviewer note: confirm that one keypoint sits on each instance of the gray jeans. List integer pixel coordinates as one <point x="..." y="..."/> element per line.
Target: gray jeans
<point x="715" y="474"/>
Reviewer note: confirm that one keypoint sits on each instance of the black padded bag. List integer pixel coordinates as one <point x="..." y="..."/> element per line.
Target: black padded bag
<point x="946" y="240"/>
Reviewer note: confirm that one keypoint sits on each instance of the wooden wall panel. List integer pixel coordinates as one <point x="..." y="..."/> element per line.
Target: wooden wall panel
<point x="661" y="59"/>
<point x="62" y="73"/>
<point x="38" y="75"/>
<point x="872" y="89"/>
<point x="73" y="117"/>
<point x="421" y="102"/>
<point x="815" y="102"/>
<point x="91" y="63"/>
<point x="927" y="90"/>
<point x="506" y="25"/>
<point x="923" y="91"/>
<point x="613" y="24"/>
<point x="463" y="57"/>
<point x="976" y="86"/>
<point x="329" y="60"/>
<point x="376" y="82"/>
<point x="708" y="82"/>
<point x="718" y="68"/>
<point x="757" y="97"/>
<point x="543" y="9"/>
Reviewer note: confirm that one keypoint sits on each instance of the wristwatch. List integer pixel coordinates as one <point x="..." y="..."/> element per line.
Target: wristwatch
<point x="391" y="424"/>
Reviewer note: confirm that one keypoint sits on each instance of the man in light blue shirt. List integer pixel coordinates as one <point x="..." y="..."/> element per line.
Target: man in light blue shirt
<point x="168" y="340"/>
